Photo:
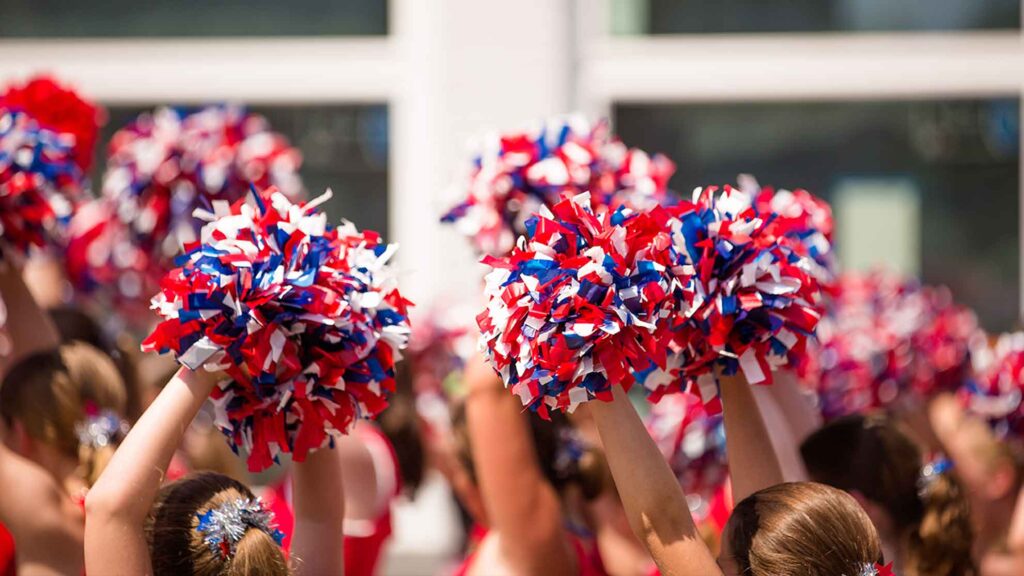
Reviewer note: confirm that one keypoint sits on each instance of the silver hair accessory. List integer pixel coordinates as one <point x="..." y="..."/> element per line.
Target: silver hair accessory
<point x="101" y="429"/>
<point x="224" y="526"/>
<point x="868" y="569"/>
<point x="931" y="472"/>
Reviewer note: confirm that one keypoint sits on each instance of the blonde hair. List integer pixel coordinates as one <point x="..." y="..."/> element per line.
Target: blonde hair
<point x="53" y="394"/>
<point x="177" y="547"/>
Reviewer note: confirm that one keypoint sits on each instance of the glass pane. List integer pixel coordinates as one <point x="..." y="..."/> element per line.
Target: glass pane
<point x="927" y="186"/>
<point x="736" y="16"/>
<point x="344" y="148"/>
<point x="164" y="18"/>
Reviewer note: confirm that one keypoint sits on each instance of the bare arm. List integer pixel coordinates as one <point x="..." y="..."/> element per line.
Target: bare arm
<point x="520" y="503"/>
<point x="319" y="502"/>
<point x="788" y="421"/>
<point x="117" y="506"/>
<point x="654" y="502"/>
<point x="753" y="463"/>
<point x="29" y="327"/>
<point x="45" y="523"/>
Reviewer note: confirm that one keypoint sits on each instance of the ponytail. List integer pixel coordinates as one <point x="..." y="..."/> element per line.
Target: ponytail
<point x="940" y="545"/>
<point x="871" y="456"/>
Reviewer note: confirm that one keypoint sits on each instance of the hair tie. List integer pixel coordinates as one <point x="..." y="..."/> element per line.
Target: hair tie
<point x="930" y="472"/>
<point x="224" y="526"/>
<point x="100" y="428"/>
<point x="876" y="569"/>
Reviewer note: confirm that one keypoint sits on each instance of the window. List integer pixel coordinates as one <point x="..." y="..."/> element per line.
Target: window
<point x="929" y="186"/>
<point x="176" y="18"/>
<point x="661" y="17"/>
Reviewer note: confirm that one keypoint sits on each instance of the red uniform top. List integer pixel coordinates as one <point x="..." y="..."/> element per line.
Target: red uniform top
<point x="8" y="566"/>
<point x="587" y="563"/>
<point x="364" y="541"/>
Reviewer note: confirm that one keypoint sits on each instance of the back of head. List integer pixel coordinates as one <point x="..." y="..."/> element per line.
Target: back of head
<point x="871" y="456"/>
<point x="72" y="400"/>
<point x="801" y="528"/>
<point x="187" y="526"/>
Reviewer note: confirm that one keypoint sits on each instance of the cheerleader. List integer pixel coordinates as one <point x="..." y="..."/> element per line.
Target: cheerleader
<point x="776" y="528"/>
<point x="204" y="524"/>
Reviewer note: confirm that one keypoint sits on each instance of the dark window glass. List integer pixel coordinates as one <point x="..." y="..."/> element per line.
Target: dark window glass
<point x="736" y="16"/>
<point x="166" y="18"/>
<point x="935" y="184"/>
<point x="344" y="148"/>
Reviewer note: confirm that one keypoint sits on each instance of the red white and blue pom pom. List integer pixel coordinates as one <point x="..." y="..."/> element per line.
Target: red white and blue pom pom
<point x="581" y="300"/>
<point x="887" y="340"/>
<point x="40" y="184"/>
<point x="59" y="109"/>
<point x="304" y="317"/>
<point x="160" y="169"/>
<point x="692" y="439"/>
<point x="996" y="392"/>
<point x="517" y="173"/>
<point x="754" y="298"/>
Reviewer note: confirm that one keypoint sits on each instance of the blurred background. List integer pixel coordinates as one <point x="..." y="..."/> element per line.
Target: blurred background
<point x="905" y="114"/>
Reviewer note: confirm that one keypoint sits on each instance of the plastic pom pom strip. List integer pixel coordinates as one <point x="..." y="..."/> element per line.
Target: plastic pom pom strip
<point x="516" y="174"/>
<point x="887" y="340"/>
<point x="40" y="184"/>
<point x="61" y="110"/>
<point x="692" y="440"/>
<point x="304" y="317"/>
<point x="160" y="169"/>
<point x="670" y="295"/>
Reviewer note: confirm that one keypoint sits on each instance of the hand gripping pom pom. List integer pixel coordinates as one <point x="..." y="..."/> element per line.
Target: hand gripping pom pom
<point x="517" y="173"/>
<point x="160" y="169"/>
<point x="996" y="392"/>
<point x="59" y="109"/>
<point x="40" y="184"/>
<point x="753" y="298"/>
<point x="580" y="301"/>
<point x="692" y="440"/>
<point x="303" y="317"/>
<point x="886" y="341"/>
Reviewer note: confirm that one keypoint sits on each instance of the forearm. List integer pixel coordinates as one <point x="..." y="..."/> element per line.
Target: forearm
<point x="655" y="505"/>
<point x="520" y="504"/>
<point x="753" y="463"/>
<point x="130" y="482"/>
<point x="319" y="503"/>
<point x="29" y="326"/>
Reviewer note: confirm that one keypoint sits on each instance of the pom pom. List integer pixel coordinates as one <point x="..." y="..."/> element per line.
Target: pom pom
<point x="40" y="184"/>
<point x="517" y="173"/>
<point x="886" y="340"/>
<point x="161" y="168"/>
<point x="583" y="298"/>
<point x="996" y="393"/>
<point x="754" y="298"/>
<point x="60" y="110"/>
<point x="692" y="439"/>
<point x="304" y="318"/>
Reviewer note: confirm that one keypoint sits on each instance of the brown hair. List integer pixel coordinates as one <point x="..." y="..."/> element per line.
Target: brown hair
<point x="51" y="394"/>
<point x="75" y="325"/>
<point x="177" y="547"/>
<point x="801" y="528"/>
<point x="872" y="456"/>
